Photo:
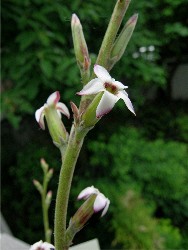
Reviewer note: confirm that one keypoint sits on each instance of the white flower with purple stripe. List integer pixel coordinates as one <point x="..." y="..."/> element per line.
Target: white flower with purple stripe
<point x="42" y="246"/>
<point x="100" y="203"/>
<point x="113" y="91"/>
<point x="52" y="102"/>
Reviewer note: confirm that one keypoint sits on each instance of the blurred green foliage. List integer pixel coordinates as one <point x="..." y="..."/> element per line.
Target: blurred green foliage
<point x="143" y="170"/>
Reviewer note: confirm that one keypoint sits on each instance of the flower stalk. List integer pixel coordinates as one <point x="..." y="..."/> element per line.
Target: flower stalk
<point x="65" y="179"/>
<point x="46" y="197"/>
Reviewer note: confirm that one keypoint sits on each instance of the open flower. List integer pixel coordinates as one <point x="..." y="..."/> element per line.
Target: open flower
<point x="42" y="246"/>
<point x="100" y="203"/>
<point x="113" y="91"/>
<point x="52" y="102"/>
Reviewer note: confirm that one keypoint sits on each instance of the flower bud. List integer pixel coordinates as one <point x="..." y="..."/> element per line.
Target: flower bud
<point x="44" y="165"/>
<point x="123" y="39"/>
<point x="81" y="217"/>
<point x="80" y="46"/>
<point x="95" y="202"/>
<point x="48" y="198"/>
<point x="38" y="186"/>
<point x="49" y="174"/>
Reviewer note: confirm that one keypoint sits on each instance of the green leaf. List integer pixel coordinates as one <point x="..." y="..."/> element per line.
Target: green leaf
<point x="46" y="67"/>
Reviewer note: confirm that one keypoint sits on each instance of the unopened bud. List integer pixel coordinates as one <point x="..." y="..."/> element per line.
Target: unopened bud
<point x="48" y="198"/>
<point x="81" y="217"/>
<point x="95" y="202"/>
<point x="38" y="186"/>
<point x="49" y="174"/>
<point x="80" y="46"/>
<point x="123" y="39"/>
<point x="44" y="165"/>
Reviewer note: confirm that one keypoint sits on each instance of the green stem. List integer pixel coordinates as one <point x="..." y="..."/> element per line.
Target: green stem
<point x="65" y="179"/>
<point x="45" y="211"/>
<point x="111" y="32"/>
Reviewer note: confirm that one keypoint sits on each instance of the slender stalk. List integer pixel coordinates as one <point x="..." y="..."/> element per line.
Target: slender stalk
<point x="70" y="158"/>
<point x="45" y="211"/>
<point x="111" y="32"/>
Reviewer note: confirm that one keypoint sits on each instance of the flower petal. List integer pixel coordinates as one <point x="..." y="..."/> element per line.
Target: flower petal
<point x="106" y="208"/>
<point x="100" y="202"/>
<point x="102" y="73"/>
<point x="93" y="87"/>
<point x="87" y="192"/>
<point x="119" y="85"/>
<point x="38" y="113"/>
<point x="63" y="109"/>
<point x="47" y="246"/>
<point x="53" y="98"/>
<point x="123" y="95"/>
<point x="36" y="245"/>
<point x="39" y="116"/>
<point x="106" y="103"/>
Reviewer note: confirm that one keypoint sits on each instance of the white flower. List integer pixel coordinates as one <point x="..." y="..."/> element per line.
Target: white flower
<point x="52" y="101"/>
<point x="113" y="91"/>
<point x="100" y="203"/>
<point x="42" y="246"/>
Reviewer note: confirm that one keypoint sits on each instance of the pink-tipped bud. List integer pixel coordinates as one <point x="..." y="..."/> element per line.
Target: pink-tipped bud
<point x="44" y="165"/>
<point x="80" y="46"/>
<point x="50" y="174"/>
<point x="123" y="39"/>
<point x="75" y="20"/>
<point x="48" y="198"/>
<point x="38" y="186"/>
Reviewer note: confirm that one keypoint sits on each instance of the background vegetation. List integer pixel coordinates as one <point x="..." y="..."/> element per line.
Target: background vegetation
<point x="139" y="163"/>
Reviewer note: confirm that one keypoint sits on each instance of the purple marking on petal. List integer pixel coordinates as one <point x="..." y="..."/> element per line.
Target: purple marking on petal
<point x="53" y="98"/>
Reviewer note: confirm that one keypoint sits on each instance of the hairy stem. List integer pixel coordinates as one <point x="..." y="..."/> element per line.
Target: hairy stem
<point x="65" y="179"/>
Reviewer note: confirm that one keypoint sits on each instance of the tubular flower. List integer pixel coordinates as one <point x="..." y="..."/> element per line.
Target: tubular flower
<point x="42" y="246"/>
<point x="52" y="110"/>
<point x="52" y="102"/>
<point x="100" y="203"/>
<point x="113" y="91"/>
